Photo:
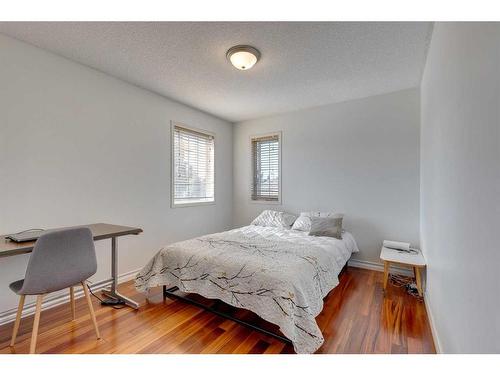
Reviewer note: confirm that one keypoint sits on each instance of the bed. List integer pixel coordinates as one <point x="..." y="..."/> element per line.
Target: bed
<point x="280" y="274"/>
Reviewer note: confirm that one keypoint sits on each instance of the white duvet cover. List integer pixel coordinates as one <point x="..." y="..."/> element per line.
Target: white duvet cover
<point x="281" y="275"/>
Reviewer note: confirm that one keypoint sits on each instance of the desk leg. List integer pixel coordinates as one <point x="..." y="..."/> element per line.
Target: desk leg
<point x="112" y="292"/>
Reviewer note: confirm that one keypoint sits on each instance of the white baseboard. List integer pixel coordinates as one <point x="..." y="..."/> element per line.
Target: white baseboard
<point x="375" y="266"/>
<point x="430" y="317"/>
<point x="60" y="298"/>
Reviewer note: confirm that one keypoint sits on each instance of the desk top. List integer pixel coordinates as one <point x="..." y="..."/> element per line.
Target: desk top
<point x="100" y="231"/>
<point x="395" y="256"/>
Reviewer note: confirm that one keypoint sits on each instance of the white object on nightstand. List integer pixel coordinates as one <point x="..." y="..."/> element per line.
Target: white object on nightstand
<point x="416" y="261"/>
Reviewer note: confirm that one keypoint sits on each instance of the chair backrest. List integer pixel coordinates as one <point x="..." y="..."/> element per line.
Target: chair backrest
<point x="60" y="259"/>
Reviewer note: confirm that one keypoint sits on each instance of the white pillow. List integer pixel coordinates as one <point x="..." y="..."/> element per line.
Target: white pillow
<point x="270" y="218"/>
<point x="303" y="223"/>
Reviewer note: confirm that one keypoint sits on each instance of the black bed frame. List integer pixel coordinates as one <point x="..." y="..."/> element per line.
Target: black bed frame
<point x="170" y="292"/>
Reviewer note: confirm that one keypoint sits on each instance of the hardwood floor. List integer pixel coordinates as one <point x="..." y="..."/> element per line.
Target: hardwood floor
<point x="356" y="319"/>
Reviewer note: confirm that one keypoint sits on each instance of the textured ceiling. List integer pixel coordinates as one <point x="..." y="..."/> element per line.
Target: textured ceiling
<point x="303" y="64"/>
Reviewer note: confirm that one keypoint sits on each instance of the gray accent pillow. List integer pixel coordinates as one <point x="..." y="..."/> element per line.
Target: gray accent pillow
<point x="326" y="227"/>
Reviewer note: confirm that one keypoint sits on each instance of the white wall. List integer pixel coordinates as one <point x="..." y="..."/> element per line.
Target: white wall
<point x="359" y="157"/>
<point x="460" y="185"/>
<point x="78" y="146"/>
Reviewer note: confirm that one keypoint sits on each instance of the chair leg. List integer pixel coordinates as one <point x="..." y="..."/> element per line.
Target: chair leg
<point x="18" y="319"/>
<point x="72" y="301"/>
<point x="91" y="309"/>
<point x="34" y="334"/>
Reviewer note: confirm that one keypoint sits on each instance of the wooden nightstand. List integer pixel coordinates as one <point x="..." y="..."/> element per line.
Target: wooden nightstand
<point x="415" y="261"/>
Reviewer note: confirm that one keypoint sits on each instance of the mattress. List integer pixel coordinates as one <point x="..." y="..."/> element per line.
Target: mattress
<point x="281" y="275"/>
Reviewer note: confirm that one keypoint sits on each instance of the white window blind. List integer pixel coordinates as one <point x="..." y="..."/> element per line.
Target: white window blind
<point x="266" y="168"/>
<point x="193" y="167"/>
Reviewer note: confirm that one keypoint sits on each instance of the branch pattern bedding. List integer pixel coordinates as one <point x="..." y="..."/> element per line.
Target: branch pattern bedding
<point x="282" y="275"/>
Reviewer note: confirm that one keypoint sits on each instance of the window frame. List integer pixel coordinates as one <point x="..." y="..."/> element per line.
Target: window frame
<point x="173" y="125"/>
<point x="280" y="168"/>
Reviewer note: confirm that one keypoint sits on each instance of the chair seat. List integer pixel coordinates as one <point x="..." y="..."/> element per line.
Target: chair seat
<point x="16" y="286"/>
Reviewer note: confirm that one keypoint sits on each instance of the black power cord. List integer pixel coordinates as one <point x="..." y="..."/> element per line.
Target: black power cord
<point x="114" y="303"/>
<point x="406" y="282"/>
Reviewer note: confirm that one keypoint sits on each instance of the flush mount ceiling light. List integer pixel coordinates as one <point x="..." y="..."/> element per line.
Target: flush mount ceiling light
<point x="243" y="57"/>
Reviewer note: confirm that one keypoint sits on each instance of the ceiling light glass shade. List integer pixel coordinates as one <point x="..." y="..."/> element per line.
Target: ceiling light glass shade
<point x="243" y="57"/>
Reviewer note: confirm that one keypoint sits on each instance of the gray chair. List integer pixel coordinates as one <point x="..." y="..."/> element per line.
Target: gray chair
<point x="60" y="259"/>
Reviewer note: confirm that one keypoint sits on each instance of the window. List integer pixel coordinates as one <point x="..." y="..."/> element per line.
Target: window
<point x="193" y="166"/>
<point x="266" y="159"/>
